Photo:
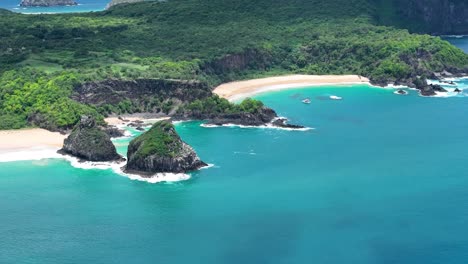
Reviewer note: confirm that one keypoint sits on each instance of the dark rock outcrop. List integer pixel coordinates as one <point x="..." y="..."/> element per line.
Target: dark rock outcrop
<point x="265" y="116"/>
<point x="436" y="16"/>
<point x="431" y="89"/>
<point x="145" y="95"/>
<point x="90" y="143"/>
<point x="160" y="149"/>
<point x="114" y="131"/>
<point x="46" y="3"/>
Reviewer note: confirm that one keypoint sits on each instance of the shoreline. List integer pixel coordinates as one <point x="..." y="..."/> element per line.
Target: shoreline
<point x="29" y="144"/>
<point x="37" y="143"/>
<point x="237" y="90"/>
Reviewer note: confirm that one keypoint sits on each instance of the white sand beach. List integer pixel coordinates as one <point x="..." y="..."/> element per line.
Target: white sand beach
<point x="242" y="89"/>
<point x="29" y="144"/>
<point x="115" y="121"/>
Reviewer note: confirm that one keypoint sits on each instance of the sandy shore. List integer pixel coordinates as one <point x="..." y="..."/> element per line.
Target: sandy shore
<point x="243" y="89"/>
<point x="29" y="144"/>
<point x="115" y="121"/>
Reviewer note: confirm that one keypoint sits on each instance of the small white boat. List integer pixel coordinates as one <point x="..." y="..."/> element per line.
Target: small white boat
<point x="306" y="101"/>
<point x="334" y="97"/>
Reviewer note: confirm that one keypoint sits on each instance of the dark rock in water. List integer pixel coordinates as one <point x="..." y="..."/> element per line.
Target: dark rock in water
<point x="264" y="116"/>
<point x="45" y="3"/>
<point x="402" y="92"/>
<point x="140" y="129"/>
<point x="160" y="149"/>
<point x="282" y="122"/>
<point x="114" y="132"/>
<point x="431" y="89"/>
<point x="90" y="143"/>
<point x="457" y="90"/>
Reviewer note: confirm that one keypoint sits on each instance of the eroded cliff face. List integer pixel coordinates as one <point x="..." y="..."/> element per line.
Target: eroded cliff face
<point x="47" y="2"/>
<point x="147" y="94"/>
<point x="436" y="16"/>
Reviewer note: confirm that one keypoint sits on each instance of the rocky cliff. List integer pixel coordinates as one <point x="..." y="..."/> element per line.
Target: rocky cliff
<point x="160" y="149"/>
<point x="144" y="95"/>
<point x="46" y="3"/>
<point x="440" y="17"/>
<point x="88" y="142"/>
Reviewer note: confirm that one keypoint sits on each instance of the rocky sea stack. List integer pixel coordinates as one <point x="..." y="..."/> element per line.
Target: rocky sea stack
<point x="89" y="143"/>
<point x="160" y="149"/>
<point x="46" y="3"/>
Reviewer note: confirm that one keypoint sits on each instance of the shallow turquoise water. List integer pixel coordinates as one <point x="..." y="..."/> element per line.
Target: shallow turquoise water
<point x="83" y="6"/>
<point x="382" y="179"/>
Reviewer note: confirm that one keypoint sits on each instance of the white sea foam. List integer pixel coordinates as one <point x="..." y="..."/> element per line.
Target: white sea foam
<point x="37" y="153"/>
<point x="267" y="126"/>
<point x="393" y="86"/>
<point x="117" y="167"/>
<point x="160" y="177"/>
<point x="207" y="167"/>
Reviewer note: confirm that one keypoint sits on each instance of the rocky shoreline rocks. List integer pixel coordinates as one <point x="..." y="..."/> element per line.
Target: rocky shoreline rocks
<point x="89" y="143"/>
<point x="161" y="150"/>
<point x="263" y="117"/>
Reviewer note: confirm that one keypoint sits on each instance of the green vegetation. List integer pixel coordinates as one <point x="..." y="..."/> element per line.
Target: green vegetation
<point x="160" y="140"/>
<point x="218" y="105"/>
<point x="213" y="41"/>
<point x="41" y="99"/>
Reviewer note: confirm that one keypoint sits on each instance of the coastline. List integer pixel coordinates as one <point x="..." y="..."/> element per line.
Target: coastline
<point x="38" y="143"/>
<point x="242" y="89"/>
<point x="29" y="144"/>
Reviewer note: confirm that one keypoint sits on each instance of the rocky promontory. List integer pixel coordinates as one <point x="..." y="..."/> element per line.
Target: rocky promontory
<point x="46" y="3"/>
<point x="89" y="143"/>
<point x="161" y="150"/>
<point x="219" y="111"/>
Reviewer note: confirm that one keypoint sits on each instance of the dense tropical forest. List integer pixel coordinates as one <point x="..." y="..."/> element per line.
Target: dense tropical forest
<point x="43" y="57"/>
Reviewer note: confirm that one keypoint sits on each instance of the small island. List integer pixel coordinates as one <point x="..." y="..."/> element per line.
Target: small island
<point x="90" y="143"/>
<point x="47" y="3"/>
<point x="161" y="150"/>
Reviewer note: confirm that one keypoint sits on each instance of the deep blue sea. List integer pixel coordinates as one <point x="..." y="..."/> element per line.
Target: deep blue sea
<point x="83" y="6"/>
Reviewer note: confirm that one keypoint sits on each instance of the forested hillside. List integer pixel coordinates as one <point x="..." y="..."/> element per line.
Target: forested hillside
<point x="210" y="41"/>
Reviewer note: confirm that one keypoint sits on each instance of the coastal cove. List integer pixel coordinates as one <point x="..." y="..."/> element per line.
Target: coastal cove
<point x="337" y="191"/>
<point x="240" y="131"/>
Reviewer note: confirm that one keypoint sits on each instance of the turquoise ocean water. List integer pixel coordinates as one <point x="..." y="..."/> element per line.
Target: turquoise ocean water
<point x="381" y="179"/>
<point x="83" y="6"/>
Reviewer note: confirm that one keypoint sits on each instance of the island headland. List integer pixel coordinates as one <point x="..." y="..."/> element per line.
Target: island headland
<point x="161" y="150"/>
<point x="88" y="142"/>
